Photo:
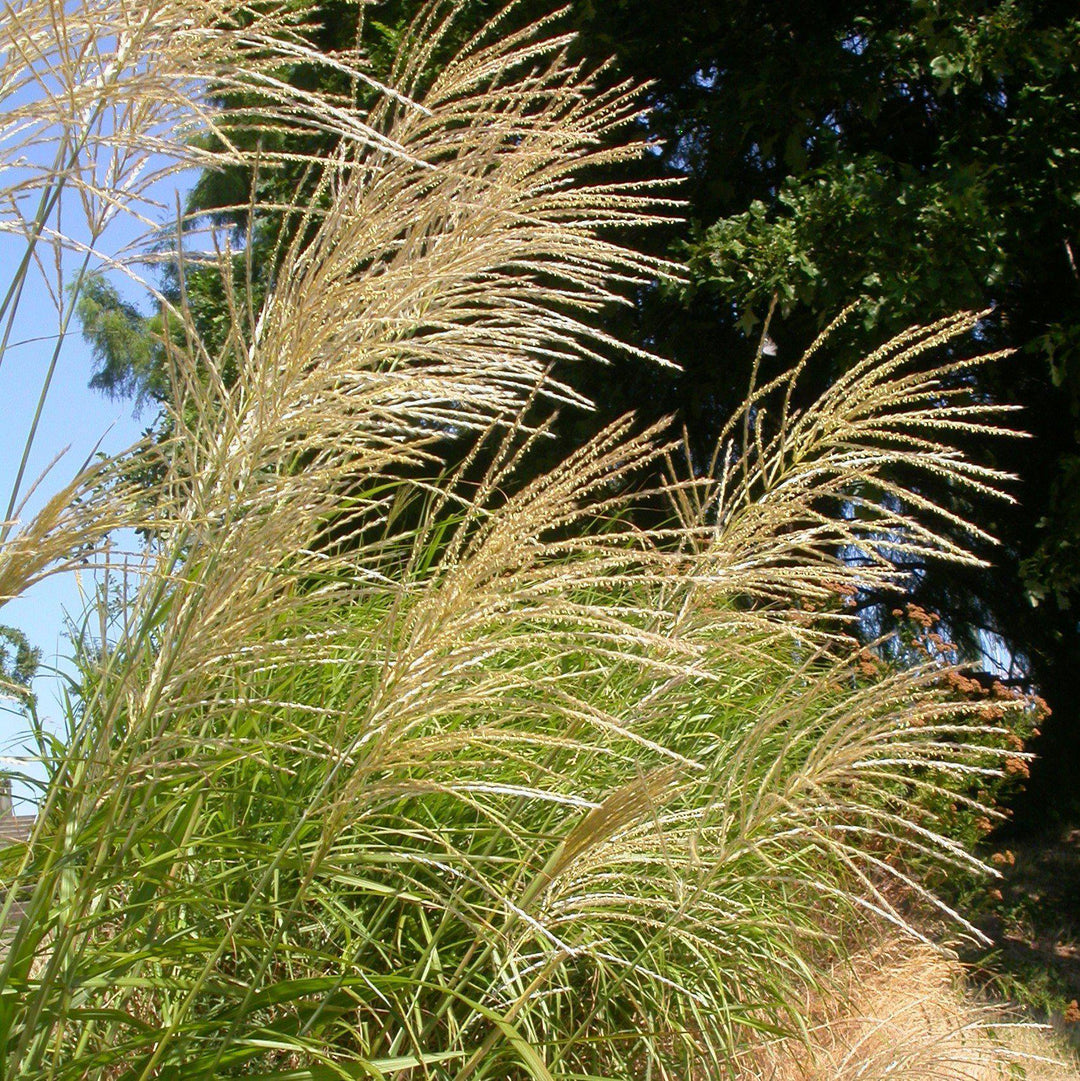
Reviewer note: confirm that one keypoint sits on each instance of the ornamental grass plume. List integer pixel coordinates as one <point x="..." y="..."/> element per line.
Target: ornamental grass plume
<point x="394" y="765"/>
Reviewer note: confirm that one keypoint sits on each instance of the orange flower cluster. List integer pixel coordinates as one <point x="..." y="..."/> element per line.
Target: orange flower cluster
<point x="867" y="664"/>
<point x="942" y="643"/>
<point x="964" y="684"/>
<point x="841" y="589"/>
<point x="1017" y="767"/>
<point x="921" y="616"/>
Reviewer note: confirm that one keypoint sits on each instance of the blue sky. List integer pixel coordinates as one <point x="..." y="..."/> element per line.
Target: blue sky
<point x="76" y="419"/>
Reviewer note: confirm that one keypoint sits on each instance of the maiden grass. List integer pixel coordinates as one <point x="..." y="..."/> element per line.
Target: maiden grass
<point x="521" y="789"/>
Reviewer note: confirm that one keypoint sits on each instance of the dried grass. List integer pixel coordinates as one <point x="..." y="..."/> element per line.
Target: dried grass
<point x="902" y="1011"/>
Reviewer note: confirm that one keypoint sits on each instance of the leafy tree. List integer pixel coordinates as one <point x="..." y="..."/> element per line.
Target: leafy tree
<point x="18" y="663"/>
<point x="923" y="157"/>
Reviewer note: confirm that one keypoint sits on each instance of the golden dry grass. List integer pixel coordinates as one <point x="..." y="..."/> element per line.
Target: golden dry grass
<point x="903" y="1012"/>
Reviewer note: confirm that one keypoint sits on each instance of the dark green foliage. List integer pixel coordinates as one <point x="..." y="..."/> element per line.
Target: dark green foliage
<point x="18" y="664"/>
<point x="122" y="342"/>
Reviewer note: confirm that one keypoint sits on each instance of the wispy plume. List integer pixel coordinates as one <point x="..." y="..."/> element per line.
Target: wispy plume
<point x="409" y="766"/>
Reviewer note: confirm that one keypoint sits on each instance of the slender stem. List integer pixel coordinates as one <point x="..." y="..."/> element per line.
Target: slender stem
<point x="28" y="445"/>
<point x="758" y="353"/>
<point x="49" y="197"/>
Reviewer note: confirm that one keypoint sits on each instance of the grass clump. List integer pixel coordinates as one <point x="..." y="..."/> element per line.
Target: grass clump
<point x="393" y="764"/>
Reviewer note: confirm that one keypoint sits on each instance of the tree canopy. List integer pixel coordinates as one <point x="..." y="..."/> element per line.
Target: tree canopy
<point x="911" y="156"/>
